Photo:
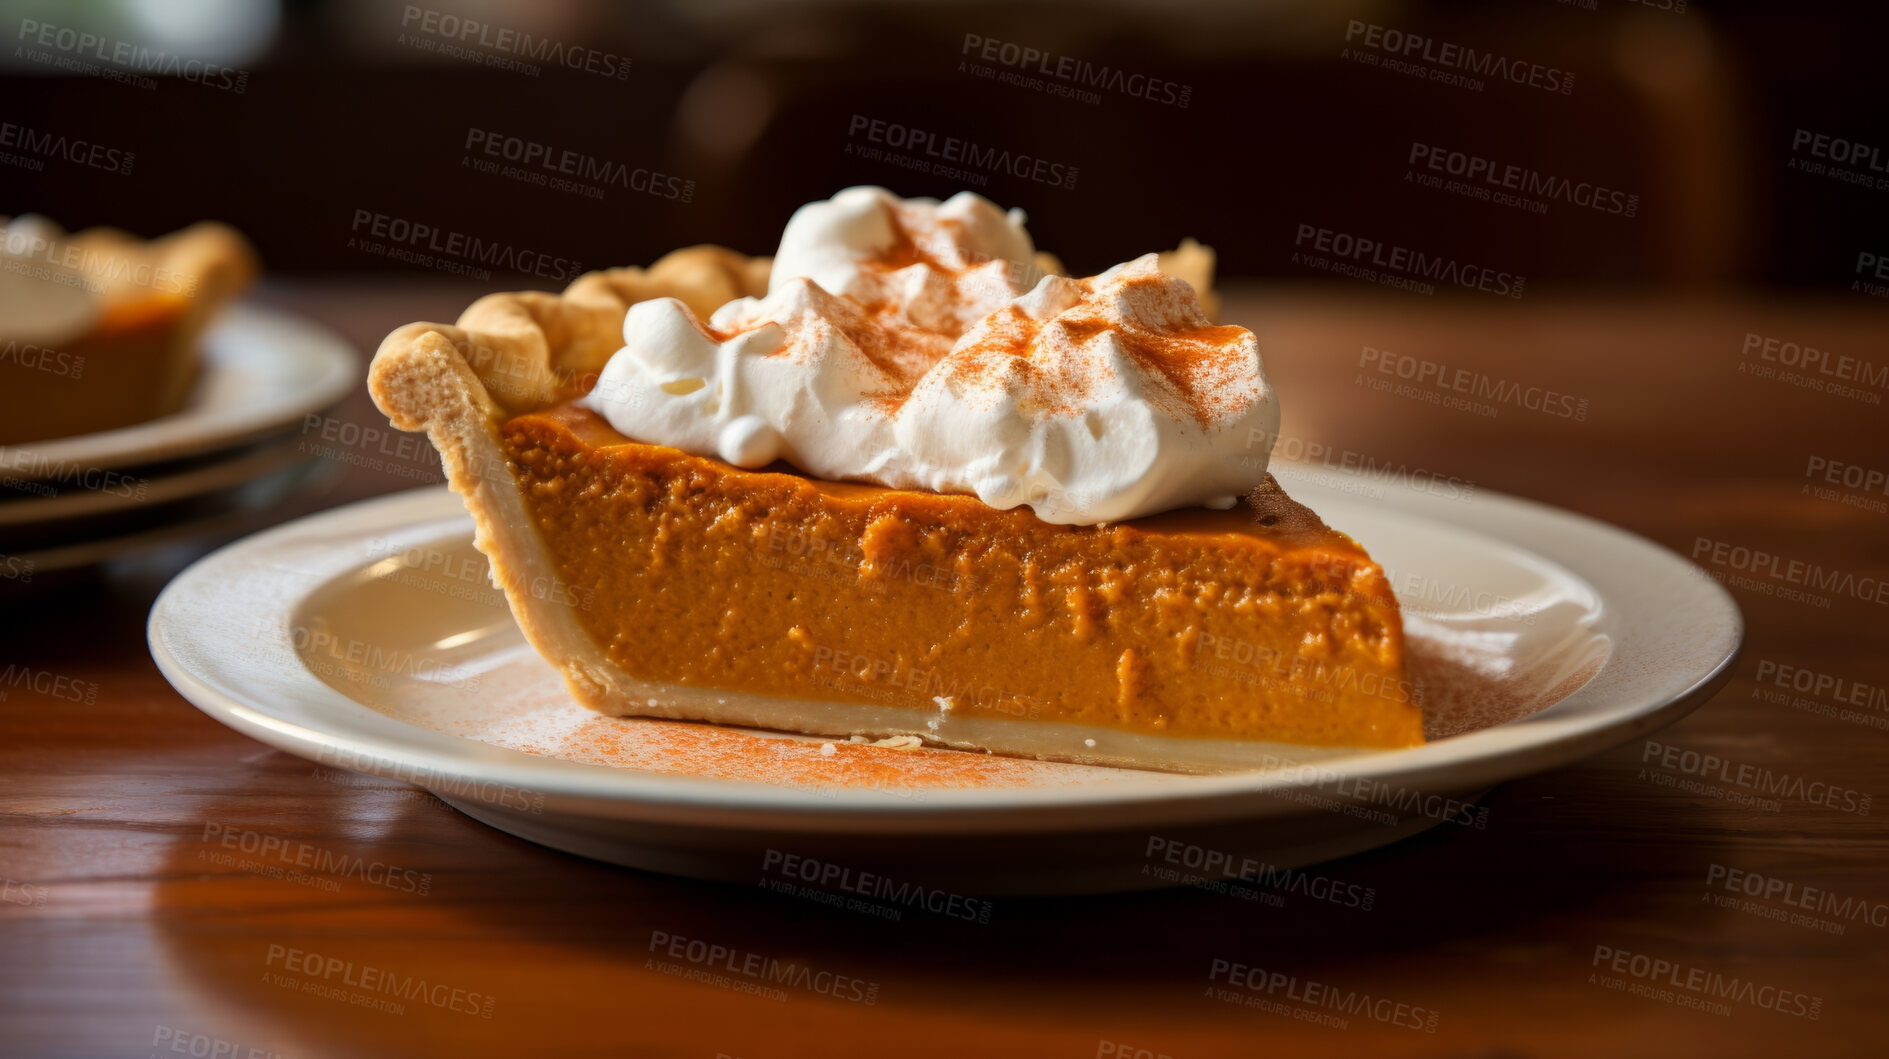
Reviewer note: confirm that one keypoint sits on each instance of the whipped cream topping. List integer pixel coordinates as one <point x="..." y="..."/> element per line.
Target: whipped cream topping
<point x="41" y="302"/>
<point x="873" y="246"/>
<point x="894" y="346"/>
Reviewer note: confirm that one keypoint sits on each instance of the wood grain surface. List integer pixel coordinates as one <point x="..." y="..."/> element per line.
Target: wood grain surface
<point x="126" y="929"/>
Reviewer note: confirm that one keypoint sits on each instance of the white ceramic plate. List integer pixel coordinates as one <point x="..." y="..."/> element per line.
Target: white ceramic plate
<point x="135" y="493"/>
<point x="263" y="370"/>
<point x="369" y="638"/>
<point x="222" y="514"/>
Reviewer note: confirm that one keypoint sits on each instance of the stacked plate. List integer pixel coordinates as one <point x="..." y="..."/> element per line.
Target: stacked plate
<point x="238" y="447"/>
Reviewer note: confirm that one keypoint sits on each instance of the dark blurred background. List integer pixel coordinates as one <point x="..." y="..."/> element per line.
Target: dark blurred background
<point x="1744" y="136"/>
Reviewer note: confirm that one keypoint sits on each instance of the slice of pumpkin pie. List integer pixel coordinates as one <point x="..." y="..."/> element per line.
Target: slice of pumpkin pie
<point x="101" y="330"/>
<point x="906" y="481"/>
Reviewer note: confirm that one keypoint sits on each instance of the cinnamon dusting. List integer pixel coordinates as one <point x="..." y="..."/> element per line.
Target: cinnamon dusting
<point x="918" y="299"/>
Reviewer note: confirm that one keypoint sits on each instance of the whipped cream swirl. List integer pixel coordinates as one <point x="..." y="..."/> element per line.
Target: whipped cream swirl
<point x="896" y="346"/>
<point x="43" y="301"/>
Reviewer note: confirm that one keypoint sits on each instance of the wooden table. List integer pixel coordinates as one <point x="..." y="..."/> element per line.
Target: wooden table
<point x="124" y="931"/>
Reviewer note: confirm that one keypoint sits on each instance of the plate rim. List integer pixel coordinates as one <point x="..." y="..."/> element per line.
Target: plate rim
<point x="194" y="432"/>
<point x="91" y="551"/>
<point x="231" y="468"/>
<point x="1469" y="761"/>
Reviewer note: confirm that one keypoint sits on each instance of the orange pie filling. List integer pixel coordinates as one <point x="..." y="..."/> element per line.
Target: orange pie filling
<point x="1237" y="625"/>
<point x="137" y="364"/>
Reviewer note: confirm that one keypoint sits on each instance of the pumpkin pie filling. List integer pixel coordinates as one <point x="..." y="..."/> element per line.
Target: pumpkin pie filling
<point x="1195" y="623"/>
